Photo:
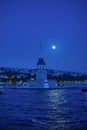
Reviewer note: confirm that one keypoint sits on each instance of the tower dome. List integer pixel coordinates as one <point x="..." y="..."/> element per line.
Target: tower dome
<point x="41" y="64"/>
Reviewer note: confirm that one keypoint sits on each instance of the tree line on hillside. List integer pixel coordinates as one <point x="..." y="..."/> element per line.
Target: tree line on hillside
<point x="17" y="77"/>
<point x="67" y="77"/>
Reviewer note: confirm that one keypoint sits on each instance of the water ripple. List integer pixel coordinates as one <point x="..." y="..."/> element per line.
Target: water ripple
<point x="43" y="110"/>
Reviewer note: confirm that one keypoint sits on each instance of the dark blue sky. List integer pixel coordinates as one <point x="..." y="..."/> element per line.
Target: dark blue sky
<point x="24" y="23"/>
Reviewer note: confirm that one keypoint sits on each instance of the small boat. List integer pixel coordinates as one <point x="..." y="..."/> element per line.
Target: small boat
<point x="84" y="89"/>
<point x="1" y="90"/>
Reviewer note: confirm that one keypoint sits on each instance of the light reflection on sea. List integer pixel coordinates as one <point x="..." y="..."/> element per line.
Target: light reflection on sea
<point x="60" y="109"/>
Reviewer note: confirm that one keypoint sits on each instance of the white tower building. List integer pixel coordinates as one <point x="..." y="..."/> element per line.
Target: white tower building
<point x="41" y="73"/>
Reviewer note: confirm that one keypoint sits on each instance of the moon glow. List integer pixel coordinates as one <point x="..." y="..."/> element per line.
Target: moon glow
<point x="53" y="47"/>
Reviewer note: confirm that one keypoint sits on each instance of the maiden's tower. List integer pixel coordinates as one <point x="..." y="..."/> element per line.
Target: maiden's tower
<point x="41" y="80"/>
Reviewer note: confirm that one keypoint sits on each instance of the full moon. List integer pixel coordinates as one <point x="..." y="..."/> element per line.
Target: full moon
<point x="53" y="47"/>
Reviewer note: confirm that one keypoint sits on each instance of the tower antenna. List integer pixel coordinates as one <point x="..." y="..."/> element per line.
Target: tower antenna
<point x="41" y="49"/>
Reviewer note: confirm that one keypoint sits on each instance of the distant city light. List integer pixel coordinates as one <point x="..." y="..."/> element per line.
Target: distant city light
<point x="54" y="47"/>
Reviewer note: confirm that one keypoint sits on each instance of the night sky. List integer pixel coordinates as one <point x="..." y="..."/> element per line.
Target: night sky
<point x="25" y="24"/>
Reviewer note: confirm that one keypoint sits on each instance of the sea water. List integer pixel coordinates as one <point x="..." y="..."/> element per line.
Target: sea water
<point x="59" y="109"/>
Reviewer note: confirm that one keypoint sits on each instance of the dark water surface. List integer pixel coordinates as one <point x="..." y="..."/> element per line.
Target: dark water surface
<point x="61" y="109"/>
